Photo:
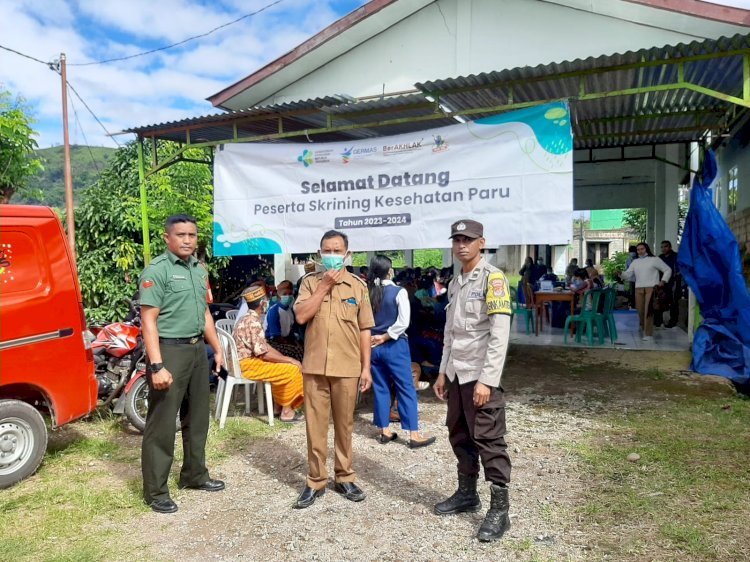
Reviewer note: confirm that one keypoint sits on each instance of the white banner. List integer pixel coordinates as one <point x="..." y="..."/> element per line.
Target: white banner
<point x="512" y="172"/>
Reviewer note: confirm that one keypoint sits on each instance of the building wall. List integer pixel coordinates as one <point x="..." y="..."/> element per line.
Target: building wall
<point x="736" y="152"/>
<point x="607" y="219"/>
<point x="462" y="37"/>
<point x="739" y="222"/>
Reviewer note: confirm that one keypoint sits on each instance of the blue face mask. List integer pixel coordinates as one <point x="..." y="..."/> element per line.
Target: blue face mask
<point x="332" y="261"/>
<point x="286" y="300"/>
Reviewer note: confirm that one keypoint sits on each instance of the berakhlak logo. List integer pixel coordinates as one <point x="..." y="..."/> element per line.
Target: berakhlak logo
<point x="440" y="144"/>
<point x="346" y="156"/>
<point x="306" y="158"/>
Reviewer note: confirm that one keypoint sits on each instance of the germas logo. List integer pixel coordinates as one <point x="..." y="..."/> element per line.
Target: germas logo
<point x="306" y="158"/>
<point x="346" y="156"/>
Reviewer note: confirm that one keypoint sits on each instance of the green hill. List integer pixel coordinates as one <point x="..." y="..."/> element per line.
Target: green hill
<point x="48" y="186"/>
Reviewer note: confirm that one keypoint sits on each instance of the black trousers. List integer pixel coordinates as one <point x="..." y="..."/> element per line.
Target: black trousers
<point x="476" y="433"/>
<point x="188" y="395"/>
<point x="675" y="291"/>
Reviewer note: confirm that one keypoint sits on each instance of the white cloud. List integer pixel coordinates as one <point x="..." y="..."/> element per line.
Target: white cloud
<point x="166" y="86"/>
<point x="173" y="20"/>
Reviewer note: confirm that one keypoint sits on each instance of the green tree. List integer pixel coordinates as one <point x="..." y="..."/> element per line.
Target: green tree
<point x="614" y="264"/>
<point x="428" y="258"/>
<point x="109" y="239"/>
<point x="17" y="145"/>
<point x="636" y="220"/>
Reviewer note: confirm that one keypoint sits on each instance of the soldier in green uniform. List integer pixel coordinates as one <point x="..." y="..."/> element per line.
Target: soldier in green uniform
<point x="175" y="320"/>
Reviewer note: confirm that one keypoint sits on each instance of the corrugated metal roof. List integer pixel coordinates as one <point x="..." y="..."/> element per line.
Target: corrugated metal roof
<point x="685" y="111"/>
<point x="217" y="121"/>
<point x="631" y="117"/>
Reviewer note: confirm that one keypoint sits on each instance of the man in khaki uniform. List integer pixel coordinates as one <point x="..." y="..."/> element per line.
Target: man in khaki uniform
<point x="477" y="329"/>
<point x="335" y="307"/>
<point x="175" y="320"/>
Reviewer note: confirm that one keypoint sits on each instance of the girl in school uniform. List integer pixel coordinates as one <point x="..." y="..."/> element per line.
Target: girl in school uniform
<point x="390" y="361"/>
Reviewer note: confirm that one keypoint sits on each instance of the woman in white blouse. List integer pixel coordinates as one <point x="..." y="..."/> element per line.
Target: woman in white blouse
<point x="647" y="271"/>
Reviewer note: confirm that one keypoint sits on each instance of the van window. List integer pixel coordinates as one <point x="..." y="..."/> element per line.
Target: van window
<point x="19" y="263"/>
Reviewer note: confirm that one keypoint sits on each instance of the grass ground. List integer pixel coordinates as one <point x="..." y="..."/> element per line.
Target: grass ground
<point x="89" y="483"/>
<point x="686" y="492"/>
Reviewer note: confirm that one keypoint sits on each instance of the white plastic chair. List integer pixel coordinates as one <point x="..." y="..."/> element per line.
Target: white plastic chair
<point x="232" y="314"/>
<point x="226" y="325"/>
<point x="225" y="388"/>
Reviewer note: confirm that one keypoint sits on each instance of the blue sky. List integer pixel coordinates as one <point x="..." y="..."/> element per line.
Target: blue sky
<point x="163" y="86"/>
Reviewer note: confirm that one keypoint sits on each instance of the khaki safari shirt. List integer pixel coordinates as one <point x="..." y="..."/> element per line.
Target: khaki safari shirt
<point x="477" y="326"/>
<point x="178" y="289"/>
<point x="249" y="337"/>
<point x="332" y="336"/>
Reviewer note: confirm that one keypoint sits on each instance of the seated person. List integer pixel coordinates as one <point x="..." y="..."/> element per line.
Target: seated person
<point x="591" y="270"/>
<point x="280" y="321"/>
<point x="580" y="284"/>
<point x="425" y="285"/>
<point x="261" y="362"/>
<point x="550" y="275"/>
<point x="243" y="304"/>
<point x="309" y="268"/>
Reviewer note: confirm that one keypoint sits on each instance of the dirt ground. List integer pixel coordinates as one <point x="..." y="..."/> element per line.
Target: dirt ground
<point x="555" y="396"/>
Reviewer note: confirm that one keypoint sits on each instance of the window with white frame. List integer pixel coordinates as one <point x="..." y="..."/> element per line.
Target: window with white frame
<point x="732" y="190"/>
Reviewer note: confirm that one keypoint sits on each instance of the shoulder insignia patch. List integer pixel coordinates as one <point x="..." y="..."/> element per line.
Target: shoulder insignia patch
<point x="146" y="284"/>
<point x="359" y="279"/>
<point x="498" y="295"/>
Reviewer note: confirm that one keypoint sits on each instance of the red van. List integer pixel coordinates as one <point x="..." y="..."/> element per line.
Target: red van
<point x="46" y="364"/>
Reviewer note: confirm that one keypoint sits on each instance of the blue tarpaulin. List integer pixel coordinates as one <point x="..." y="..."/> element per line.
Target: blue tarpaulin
<point x="709" y="259"/>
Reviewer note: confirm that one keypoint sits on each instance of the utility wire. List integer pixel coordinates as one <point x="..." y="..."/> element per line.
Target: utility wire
<point x="24" y="55"/>
<point x="55" y="66"/>
<point x="92" y="113"/>
<point x="194" y="37"/>
<point x="80" y="128"/>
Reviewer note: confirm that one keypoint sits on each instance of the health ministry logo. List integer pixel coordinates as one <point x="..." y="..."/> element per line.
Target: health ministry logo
<point x="306" y="158"/>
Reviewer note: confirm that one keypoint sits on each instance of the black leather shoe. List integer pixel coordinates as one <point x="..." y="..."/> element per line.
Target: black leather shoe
<point x="350" y="491"/>
<point x="208" y="486"/>
<point x="414" y="444"/>
<point x="163" y="506"/>
<point x="383" y="438"/>
<point x="308" y="497"/>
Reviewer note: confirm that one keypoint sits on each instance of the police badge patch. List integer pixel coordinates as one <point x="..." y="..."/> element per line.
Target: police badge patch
<point x="498" y="295"/>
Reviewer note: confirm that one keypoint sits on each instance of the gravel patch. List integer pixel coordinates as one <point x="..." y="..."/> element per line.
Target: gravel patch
<point x="253" y="518"/>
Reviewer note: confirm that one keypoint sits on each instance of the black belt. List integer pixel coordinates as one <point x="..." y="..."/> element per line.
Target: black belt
<point x="192" y="340"/>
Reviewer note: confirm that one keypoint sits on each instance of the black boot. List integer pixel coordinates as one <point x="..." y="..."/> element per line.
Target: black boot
<point x="465" y="499"/>
<point x="496" y="522"/>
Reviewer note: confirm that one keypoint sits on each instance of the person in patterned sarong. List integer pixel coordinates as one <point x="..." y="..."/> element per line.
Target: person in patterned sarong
<point x="261" y="362"/>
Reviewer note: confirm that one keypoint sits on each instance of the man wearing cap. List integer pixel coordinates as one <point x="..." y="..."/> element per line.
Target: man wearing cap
<point x="477" y="329"/>
<point x="175" y="320"/>
<point x="261" y="362"/>
<point x="336" y="309"/>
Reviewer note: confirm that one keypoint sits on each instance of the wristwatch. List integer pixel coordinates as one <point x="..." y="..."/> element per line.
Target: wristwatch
<point x="155" y="367"/>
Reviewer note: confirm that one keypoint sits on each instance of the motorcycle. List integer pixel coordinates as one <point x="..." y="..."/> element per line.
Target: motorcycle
<point x="120" y="362"/>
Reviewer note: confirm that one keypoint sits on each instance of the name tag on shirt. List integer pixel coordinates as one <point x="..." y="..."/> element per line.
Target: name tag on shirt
<point x="180" y="277"/>
<point x="475" y="295"/>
